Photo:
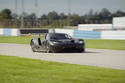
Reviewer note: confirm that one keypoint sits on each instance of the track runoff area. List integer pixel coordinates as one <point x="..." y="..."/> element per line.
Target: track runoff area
<point x="94" y="57"/>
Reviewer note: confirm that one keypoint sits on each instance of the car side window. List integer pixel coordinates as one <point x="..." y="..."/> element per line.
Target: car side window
<point x="68" y="36"/>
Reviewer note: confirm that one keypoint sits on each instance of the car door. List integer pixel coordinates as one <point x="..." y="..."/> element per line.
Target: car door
<point x="44" y="43"/>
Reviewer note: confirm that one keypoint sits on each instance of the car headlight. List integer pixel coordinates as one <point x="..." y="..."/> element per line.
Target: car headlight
<point x="81" y="42"/>
<point x="55" y="42"/>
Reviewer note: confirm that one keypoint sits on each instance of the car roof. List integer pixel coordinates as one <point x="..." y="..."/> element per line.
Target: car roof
<point x="56" y="33"/>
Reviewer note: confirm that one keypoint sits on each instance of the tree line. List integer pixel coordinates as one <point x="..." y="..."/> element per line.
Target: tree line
<point x="57" y="20"/>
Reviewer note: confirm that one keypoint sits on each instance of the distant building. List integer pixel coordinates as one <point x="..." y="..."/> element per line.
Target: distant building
<point x="119" y="22"/>
<point x="92" y="27"/>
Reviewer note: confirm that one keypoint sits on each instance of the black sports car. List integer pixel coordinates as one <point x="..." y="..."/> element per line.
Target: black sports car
<point x="57" y="42"/>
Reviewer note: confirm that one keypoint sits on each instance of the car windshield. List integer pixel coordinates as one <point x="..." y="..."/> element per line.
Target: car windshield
<point x="60" y="36"/>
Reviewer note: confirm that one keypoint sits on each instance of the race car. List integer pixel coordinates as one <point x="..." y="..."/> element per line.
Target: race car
<point x="57" y="42"/>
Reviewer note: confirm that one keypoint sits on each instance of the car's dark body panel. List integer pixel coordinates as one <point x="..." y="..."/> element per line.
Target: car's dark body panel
<point x="58" y="42"/>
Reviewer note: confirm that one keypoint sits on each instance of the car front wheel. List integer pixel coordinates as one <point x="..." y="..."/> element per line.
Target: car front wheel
<point x="48" y="48"/>
<point x="82" y="50"/>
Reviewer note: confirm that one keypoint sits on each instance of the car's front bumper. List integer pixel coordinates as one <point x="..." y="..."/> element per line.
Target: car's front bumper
<point x="67" y="47"/>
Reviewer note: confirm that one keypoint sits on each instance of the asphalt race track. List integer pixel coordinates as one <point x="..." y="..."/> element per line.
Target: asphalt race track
<point x="95" y="57"/>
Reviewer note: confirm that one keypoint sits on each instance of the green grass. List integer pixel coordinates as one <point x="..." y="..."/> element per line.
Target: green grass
<point x="105" y="44"/>
<point x="17" y="40"/>
<point x="22" y="70"/>
<point x="90" y="43"/>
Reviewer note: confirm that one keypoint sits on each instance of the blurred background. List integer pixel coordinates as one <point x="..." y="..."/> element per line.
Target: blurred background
<point x="88" y="19"/>
<point x="58" y="13"/>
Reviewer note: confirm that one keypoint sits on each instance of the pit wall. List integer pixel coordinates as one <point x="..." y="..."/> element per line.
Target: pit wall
<point x="116" y="35"/>
<point x="120" y="35"/>
<point x="91" y="27"/>
<point x="68" y="31"/>
<point x="87" y="34"/>
<point x="9" y="32"/>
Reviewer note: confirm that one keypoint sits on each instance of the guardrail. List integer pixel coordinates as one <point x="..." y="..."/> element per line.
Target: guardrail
<point x="18" y="32"/>
<point x="113" y="35"/>
<point x="33" y="31"/>
<point x="117" y="35"/>
<point x="87" y="34"/>
<point x="120" y="35"/>
<point x="10" y="32"/>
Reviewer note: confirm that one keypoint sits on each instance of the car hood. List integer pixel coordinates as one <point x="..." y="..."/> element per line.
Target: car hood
<point x="66" y="40"/>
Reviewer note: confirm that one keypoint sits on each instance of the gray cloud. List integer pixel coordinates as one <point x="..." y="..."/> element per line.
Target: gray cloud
<point x="77" y="6"/>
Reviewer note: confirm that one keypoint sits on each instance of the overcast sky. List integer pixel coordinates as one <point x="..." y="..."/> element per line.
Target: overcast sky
<point x="80" y="7"/>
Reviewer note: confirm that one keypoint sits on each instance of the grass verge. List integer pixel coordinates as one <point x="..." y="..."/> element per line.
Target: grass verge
<point x="17" y="40"/>
<point x="105" y="44"/>
<point x="22" y="70"/>
<point x="90" y="43"/>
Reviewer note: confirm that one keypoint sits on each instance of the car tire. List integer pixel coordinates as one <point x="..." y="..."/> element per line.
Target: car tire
<point x="48" y="49"/>
<point x="54" y="51"/>
<point x="82" y="50"/>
